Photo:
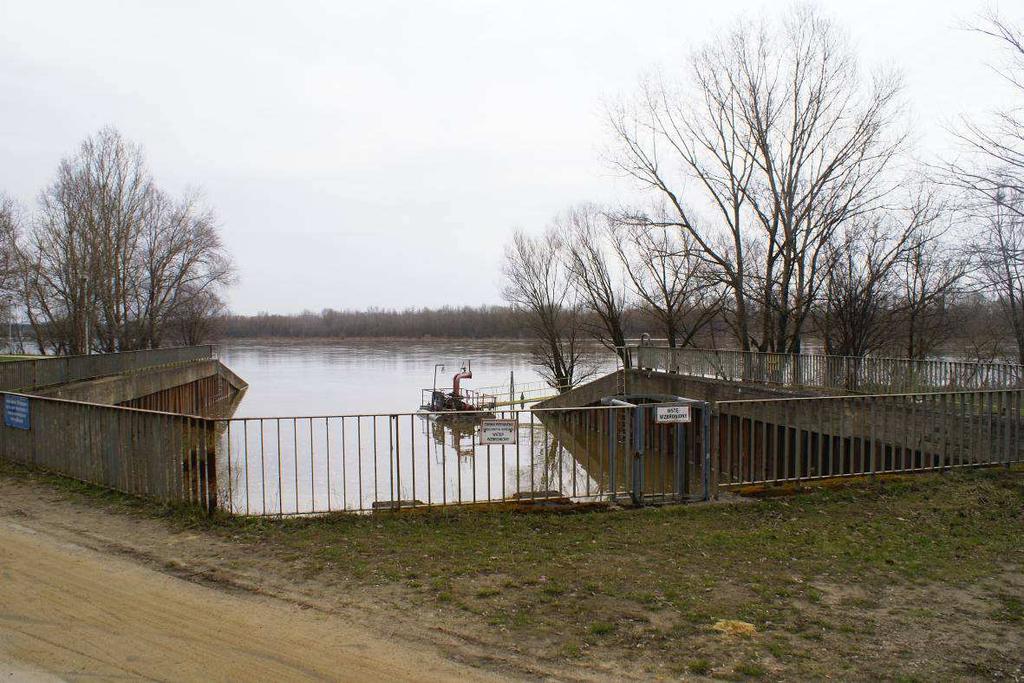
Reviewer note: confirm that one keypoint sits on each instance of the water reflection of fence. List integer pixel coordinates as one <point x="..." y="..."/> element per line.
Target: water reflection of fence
<point x="306" y="465"/>
<point x="841" y="373"/>
<point x="778" y="440"/>
<point x="26" y="375"/>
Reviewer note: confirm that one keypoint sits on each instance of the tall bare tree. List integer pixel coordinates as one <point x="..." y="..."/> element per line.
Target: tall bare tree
<point x="584" y="236"/>
<point x="536" y="281"/>
<point x="783" y="142"/>
<point x="109" y="253"/>
<point x="992" y="164"/>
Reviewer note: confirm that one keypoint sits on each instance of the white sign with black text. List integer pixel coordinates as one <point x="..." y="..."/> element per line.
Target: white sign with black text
<point x="663" y="414"/>
<point x="498" y="432"/>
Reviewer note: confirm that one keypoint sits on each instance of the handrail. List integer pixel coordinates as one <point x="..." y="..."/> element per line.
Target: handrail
<point x="845" y="373"/>
<point x="26" y="375"/>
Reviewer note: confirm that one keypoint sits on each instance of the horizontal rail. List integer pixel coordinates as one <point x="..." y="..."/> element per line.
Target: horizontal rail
<point x="29" y="375"/>
<point x="791" y="440"/>
<point x="834" y="373"/>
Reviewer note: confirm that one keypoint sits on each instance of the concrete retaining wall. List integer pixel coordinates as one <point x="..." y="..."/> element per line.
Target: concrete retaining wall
<point x="649" y="382"/>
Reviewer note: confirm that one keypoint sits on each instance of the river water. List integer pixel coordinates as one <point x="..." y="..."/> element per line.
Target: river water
<point x="302" y="378"/>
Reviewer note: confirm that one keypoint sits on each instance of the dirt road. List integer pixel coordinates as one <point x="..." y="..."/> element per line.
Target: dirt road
<point x="69" y="612"/>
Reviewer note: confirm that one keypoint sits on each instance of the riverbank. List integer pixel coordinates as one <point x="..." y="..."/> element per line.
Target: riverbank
<point x="912" y="578"/>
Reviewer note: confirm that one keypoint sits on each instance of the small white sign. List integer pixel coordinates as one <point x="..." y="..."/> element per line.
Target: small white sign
<point x="499" y="432"/>
<point x="664" y="414"/>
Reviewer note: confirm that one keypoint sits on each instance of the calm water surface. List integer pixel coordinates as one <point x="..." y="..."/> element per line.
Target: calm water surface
<point x="367" y="376"/>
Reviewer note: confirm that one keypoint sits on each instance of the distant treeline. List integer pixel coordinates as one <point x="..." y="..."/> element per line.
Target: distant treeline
<point x="466" y="322"/>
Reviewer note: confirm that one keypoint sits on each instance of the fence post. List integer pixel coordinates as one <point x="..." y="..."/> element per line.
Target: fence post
<point x="637" y="492"/>
<point x="681" y="460"/>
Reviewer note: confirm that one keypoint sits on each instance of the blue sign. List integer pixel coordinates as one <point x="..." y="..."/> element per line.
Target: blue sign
<point x="16" y="412"/>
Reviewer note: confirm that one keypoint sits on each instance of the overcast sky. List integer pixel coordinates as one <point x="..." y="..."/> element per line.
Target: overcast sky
<point x="380" y="153"/>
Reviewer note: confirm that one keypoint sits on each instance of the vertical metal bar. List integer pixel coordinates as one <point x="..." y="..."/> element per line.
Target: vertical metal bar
<point x="412" y="454"/>
<point x="518" y="460"/>
<point x="312" y="470"/>
<point x="613" y="416"/>
<point x="295" y="460"/>
<point x="376" y="479"/>
<point x="786" y="441"/>
<point x="359" y="458"/>
<point x="562" y="418"/>
<point x="280" y="482"/>
<point x="398" y="461"/>
<point x="391" y="460"/>
<point x="962" y="430"/>
<point x="231" y="498"/>
<point x="430" y="480"/>
<point x="706" y="446"/>
<point x="547" y="471"/>
<point x="327" y="440"/>
<point x="263" y="468"/>
<point x="818" y="437"/>
<point x="245" y="441"/>
<point x="472" y="461"/>
<point x="444" y="476"/>
<point x="990" y="441"/>
<point x="533" y="464"/>
<point x="727" y="420"/>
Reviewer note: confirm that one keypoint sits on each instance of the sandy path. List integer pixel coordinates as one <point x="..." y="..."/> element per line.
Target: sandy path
<point x="75" y="613"/>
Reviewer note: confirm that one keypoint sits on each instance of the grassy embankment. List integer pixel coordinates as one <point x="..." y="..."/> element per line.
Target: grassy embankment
<point x="894" y="578"/>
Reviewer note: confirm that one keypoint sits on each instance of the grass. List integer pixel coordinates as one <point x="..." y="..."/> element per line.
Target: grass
<point x="650" y="583"/>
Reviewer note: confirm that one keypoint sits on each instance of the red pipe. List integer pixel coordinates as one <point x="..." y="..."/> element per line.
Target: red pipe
<point x="464" y="374"/>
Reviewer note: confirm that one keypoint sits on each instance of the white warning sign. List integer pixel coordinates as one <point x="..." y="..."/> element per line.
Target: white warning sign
<point x="663" y="414"/>
<point x="498" y="432"/>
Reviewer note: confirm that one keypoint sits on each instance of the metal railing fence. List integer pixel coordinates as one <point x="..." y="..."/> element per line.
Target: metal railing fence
<point x="471" y="397"/>
<point x="28" y="375"/>
<point x="794" y="439"/>
<point x="358" y="463"/>
<point x="163" y="456"/>
<point x="519" y="393"/>
<point x="840" y="373"/>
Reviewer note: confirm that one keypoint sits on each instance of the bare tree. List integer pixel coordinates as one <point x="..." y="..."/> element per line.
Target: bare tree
<point x="536" y="281"/>
<point x="109" y="253"/>
<point x="584" y="238"/>
<point x="9" y="230"/>
<point x="9" y="262"/>
<point x="675" y="286"/>
<point x="930" y="280"/>
<point x="196" y="318"/>
<point x="784" y="144"/>
<point x="183" y="267"/>
<point x="992" y="164"/>
<point x="861" y="298"/>
<point x="999" y="251"/>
